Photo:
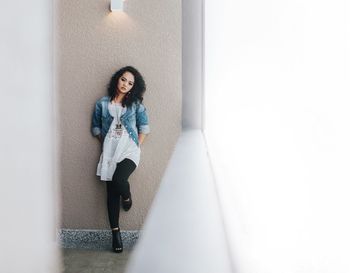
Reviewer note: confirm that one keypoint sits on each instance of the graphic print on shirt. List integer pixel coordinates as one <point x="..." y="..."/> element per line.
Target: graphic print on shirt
<point x="117" y="131"/>
<point x="116" y="128"/>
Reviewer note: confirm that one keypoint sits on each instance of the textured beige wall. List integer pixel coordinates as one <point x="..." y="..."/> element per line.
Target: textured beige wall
<point x="90" y="44"/>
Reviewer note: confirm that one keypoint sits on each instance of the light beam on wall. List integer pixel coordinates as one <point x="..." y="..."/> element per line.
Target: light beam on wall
<point x="116" y="5"/>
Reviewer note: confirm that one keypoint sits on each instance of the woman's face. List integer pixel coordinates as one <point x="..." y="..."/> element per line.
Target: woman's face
<point x="125" y="82"/>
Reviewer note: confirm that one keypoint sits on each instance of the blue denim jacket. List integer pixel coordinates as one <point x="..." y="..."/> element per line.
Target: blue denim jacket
<point x="135" y="119"/>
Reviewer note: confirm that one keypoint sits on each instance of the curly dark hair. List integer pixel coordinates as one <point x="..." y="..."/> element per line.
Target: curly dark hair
<point x="136" y="92"/>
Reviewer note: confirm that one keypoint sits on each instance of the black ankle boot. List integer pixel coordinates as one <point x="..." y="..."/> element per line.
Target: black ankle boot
<point x="117" y="241"/>
<point x="127" y="204"/>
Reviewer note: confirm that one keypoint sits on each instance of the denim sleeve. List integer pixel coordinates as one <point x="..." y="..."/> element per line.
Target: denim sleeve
<point x="96" y="124"/>
<point x="142" y="120"/>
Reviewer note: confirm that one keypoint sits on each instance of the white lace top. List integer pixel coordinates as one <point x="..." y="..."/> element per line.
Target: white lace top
<point x="117" y="145"/>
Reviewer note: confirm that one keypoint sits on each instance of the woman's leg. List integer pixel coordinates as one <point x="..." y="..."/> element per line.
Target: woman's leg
<point x="121" y="175"/>
<point x="113" y="201"/>
<point x="118" y="186"/>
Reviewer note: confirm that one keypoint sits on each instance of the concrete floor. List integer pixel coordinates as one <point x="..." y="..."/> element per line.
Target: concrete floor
<point x="94" y="261"/>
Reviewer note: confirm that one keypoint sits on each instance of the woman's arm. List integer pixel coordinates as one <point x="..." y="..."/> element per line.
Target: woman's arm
<point x="100" y="138"/>
<point x="142" y="120"/>
<point x="96" y="122"/>
<point x="141" y="138"/>
<point x="142" y="123"/>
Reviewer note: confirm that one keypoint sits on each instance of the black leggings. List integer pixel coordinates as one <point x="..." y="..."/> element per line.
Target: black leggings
<point x="119" y="186"/>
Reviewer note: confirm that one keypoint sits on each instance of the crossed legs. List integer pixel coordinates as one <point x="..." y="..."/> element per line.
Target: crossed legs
<point x="118" y="187"/>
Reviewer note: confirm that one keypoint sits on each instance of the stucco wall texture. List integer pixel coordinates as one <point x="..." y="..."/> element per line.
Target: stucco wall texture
<point x="91" y="43"/>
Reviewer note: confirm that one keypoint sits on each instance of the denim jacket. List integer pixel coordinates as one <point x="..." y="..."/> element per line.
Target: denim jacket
<point x="135" y="119"/>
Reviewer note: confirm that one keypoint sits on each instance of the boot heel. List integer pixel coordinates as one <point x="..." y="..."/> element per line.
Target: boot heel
<point x="117" y="243"/>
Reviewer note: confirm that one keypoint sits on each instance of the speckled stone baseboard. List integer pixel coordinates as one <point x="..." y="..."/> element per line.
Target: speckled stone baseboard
<point x="94" y="239"/>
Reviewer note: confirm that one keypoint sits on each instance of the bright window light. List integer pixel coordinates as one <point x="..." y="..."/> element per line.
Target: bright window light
<point x="278" y="129"/>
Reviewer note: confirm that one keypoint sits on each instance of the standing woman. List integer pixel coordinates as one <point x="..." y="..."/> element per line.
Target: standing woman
<point x="120" y="122"/>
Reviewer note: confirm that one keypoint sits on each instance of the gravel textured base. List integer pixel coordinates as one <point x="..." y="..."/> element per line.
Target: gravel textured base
<point x="94" y="239"/>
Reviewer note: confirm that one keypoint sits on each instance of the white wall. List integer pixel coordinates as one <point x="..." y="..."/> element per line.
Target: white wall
<point x="28" y="205"/>
<point x="185" y="219"/>
<point x="278" y="130"/>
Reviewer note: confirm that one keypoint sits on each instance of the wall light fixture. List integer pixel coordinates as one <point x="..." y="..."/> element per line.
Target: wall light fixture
<point x="116" y="5"/>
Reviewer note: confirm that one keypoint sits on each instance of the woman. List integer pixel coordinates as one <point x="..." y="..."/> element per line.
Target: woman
<point x="120" y="122"/>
